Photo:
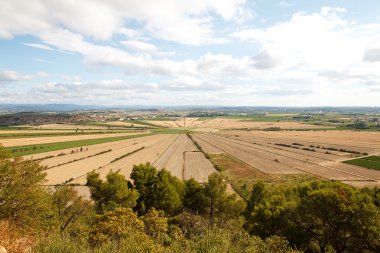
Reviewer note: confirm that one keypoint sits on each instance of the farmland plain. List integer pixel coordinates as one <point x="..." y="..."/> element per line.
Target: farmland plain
<point x="250" y="149"/>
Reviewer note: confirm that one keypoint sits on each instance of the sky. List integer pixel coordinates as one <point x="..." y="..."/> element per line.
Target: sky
<point x="198" y="52"/>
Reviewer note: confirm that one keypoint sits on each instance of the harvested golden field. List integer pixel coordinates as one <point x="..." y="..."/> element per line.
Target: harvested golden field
<point x="174" y="123"/>
<point x="176" y="153"/>
<point x="51" y="139"/>
<point x="149" y="154"/>
<point x="364" y="141"/>
<point x="173" y="158"/>
<point x="37" y="131"/>
<point x="77" y="170"/>
<point x="68" y="126"/>
<point x="123" y="124"/>
<point x="190" y="122"/>
<point x="207" y="147"/>
<point x="222" y="123"/>
<point x="179" y="160"/>
<point x="67" y="155"/>
<point x="267" y="156"/>
<point x="317" y="153"/>
<point x="163" y="123"/>
<point x="197" y="166"/>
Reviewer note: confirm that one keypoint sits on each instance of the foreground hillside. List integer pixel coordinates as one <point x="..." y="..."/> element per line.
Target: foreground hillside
<point x="157" y="212"/>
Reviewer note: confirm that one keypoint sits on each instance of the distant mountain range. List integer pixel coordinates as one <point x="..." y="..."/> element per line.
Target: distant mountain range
<point x="14" y="108"/>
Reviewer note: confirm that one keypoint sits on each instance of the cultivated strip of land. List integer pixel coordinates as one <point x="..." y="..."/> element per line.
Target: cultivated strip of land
<point x="46" y="147"/>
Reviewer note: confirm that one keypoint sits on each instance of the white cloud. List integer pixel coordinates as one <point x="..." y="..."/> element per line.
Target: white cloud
<point x="144" y="47"/>
<point x="372" y="55"/>
<point x="183" y="21"/>
<point x="321" y="40"/>
<point x="185" y="83"/>
<point x="140" y="46"/>
<point x="113" y="91"/>
<point x="315" y="50"/>
<point x="39" y="46"/>
<point x="311" y="55"/>
<point x="12" y="76"/>
<point x="207" y="65"/>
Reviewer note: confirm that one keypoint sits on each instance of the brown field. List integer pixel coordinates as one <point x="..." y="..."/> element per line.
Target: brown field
<point x="258" y="149"/>
<point x="87" y="151"/>
<point x="32" y="131"/>
<point x="164" y="123"/>
<point x="173" y="152"/>
<point x="197" y="167"/>
<point x="40" y="140"/>
<point x="190" y="122"/>
<point x="220" y="123"/>
<point x="207" y="147"/>
<point x="123" y="124"/>
<point x="175" y="123"/>
<point x="67" y="126"/>
<point x="362" y="141"/>
<point x="78" y="170"/>
<point x="181" y="163"/>
<point x="247" y="154"/>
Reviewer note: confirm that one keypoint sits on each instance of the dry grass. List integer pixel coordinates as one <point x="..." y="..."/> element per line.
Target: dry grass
<point x="197" y="167"/>
<point x="273" y="159"/>
<point x="236" y="167"/>
<point x="13" y="240"/>
<point x="173" y="158"/>
<point x="222" y="123"/>
<point x="69" y="126"/>
<point x="58" y="175"/>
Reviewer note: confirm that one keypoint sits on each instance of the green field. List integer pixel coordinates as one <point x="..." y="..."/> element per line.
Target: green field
<point x="46" y="134"/>
<point x="370" y="162"/>
<point x="41" y="148"/>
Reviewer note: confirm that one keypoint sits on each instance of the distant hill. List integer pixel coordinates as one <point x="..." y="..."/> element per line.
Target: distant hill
<point x="14" y="108"/>
<point x="36" y="118"/>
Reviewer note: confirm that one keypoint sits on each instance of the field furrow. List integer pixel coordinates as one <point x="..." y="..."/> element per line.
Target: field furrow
<point x="58" y="175"/>
<point x="44" y="140"/>
<point x="173" y="158"/>
<point x="149" y="154"/>
<point x="197" y="167"/>
<point x="285" y="160"/>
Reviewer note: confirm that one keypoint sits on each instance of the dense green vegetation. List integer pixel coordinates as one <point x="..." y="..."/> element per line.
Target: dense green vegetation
<point x="370" y="162"/>
<point x="157" y="212"/>
<point x="40" y="148"/>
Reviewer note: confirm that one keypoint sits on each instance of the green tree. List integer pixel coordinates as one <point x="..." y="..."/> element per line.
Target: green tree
<point x="144" y="177"/>
<point x="71" y="209"/>
<point x="256" y="197"/>
<point x="319" y="216"/>
<point x="268" y="212"/>
<point x="22" y="198"/>
<point x="168" y="193"/>
<point x="158" y="189"/>
<point x="115" y="191"/>
<point x="194" y="198"/>
<point x="222" y="204"/>
<point x="340" y="216"/>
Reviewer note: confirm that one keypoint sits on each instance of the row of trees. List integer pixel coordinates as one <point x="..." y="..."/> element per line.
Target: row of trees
<point x="157" y="212"/>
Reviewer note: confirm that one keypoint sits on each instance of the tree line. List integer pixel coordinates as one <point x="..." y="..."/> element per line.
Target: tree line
<point x="154" y="211"/>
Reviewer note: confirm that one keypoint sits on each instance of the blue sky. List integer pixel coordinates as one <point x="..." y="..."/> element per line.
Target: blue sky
<point x="200" y="52"/>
